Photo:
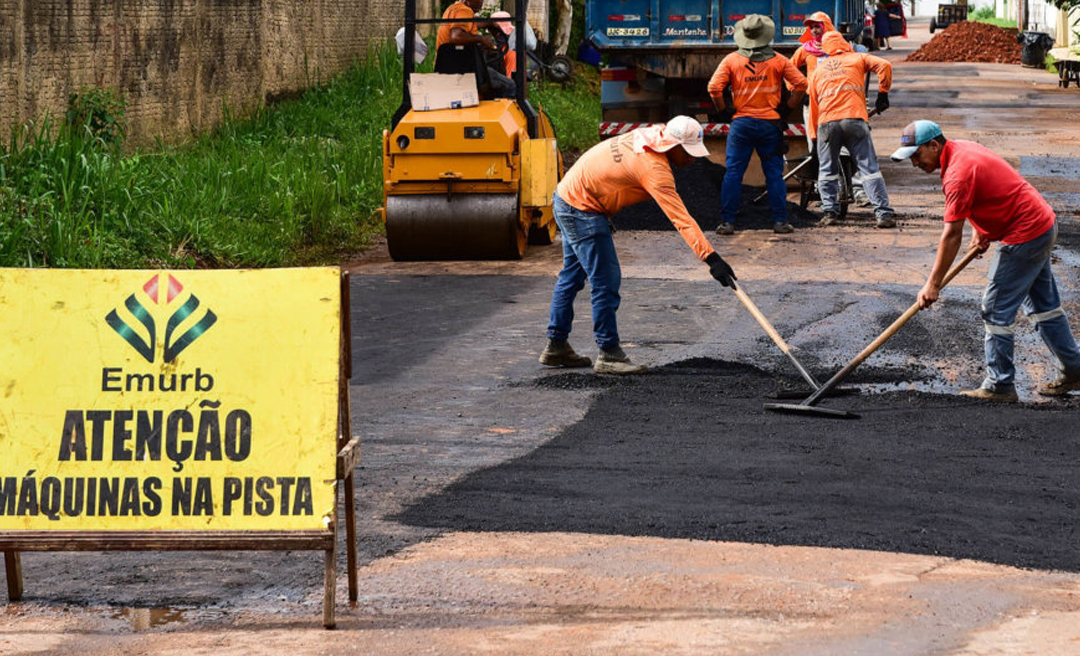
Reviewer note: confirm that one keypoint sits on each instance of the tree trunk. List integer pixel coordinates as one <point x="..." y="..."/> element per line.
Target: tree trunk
<point x="562" y="29"/>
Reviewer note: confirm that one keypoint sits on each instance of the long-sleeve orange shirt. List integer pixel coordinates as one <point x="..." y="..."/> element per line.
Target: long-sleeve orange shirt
<point x="838" y="85"/>
<point x="801" y="58"/>
<point x="611" y="176"/>
<point x="755" y="86"/>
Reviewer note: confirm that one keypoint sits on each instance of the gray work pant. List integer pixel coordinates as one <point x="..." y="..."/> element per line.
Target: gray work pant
<point x="853" y="134"/>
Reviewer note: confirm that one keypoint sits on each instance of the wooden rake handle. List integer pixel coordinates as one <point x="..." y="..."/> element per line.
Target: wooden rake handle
<point x="764" y="322"/>
<point x="889" y="332"/>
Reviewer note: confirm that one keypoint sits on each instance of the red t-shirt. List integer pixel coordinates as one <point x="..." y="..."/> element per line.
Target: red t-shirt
<point x="983" y="188"/>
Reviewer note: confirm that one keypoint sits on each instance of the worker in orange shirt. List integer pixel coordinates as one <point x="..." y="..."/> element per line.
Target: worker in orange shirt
<point x="613" y="174"/>
<point x="806" y="56"/>
<point x="756" y="76"/>
<point x="456" y="49"/>
<point x="838" y="119"/>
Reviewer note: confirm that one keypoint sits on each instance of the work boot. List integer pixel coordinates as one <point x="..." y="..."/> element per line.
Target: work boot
<point x="828" y="219"/>
<point x="615" y="361"/>
<point x="1064" y="384"/>
<point x="886" y="222"/>
<point x="782" y="228"/>
<point x="991" y="395"/>
<point x="725" y="228"/>
<point x="559" y="353"/>
<point x="861" y="199"/>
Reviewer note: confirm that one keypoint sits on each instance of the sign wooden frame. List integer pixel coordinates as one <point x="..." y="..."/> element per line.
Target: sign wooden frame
<point x="348" y="455"/>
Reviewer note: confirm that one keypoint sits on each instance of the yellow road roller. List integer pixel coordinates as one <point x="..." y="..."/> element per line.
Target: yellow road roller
<point x="468" y="183"/>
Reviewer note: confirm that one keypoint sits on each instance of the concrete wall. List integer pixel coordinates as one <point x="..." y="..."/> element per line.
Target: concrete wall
<point x="177" y="61"/>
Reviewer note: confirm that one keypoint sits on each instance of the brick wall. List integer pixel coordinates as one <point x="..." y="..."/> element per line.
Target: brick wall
<point x="177" y="61"/>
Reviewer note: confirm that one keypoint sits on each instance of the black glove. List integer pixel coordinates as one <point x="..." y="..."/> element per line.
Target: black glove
<point x="721" y="270"/>
<point x="882" y="102"/>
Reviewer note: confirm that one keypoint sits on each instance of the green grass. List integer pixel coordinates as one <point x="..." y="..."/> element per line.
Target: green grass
<point x="986" y="15"/>
<point x="296" y="184"/>
<point x="574" y="107"/>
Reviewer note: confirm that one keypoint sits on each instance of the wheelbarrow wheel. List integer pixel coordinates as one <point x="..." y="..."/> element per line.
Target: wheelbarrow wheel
<point x="561" y="68"/>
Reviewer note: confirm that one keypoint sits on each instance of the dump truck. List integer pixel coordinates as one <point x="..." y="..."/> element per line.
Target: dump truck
<point x="661" y="54"/>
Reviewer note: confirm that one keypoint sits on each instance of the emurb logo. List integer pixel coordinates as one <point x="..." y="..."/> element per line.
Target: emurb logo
<point x="146" y="347"/>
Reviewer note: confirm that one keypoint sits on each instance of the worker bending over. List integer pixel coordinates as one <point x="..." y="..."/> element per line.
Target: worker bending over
<point x="1002" y="206"/>
<point x="614" y="174"/>
<point x="756" y="77"/>
<point x="838" y="119"/>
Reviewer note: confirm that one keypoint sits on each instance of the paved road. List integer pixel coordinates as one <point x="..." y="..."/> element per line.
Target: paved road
<point x="470" y="448"/>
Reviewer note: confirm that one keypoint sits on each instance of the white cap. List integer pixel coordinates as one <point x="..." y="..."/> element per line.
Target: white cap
<point x="686" y="132"/>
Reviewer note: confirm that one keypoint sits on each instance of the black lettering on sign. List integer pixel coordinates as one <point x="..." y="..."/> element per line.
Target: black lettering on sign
<point x="28" y="504"/>
<point x="233" y="489"/>
<point x="51" y="498"/>
<point x="208" y="444"/>
<point x="73" y="496"/>
<point x="148" y="436"/>
<point x="97" y="419"/>
<point x="238" y="435"/>
<point x="152" y="506"/>
<point x="265" y="506"/>
<point x="121" y="434"/>
<point x="178" y="451"/>
<point x="130" y="504"/>
<point x="302" y="504"/>
<point x="192" y="497"/>
<point x="73" y="436"/>
<point x="108" y="497"/>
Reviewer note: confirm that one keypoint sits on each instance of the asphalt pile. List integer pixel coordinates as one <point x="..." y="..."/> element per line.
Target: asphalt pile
<point x="699" y="187"/>
<point x="969" y="41"/>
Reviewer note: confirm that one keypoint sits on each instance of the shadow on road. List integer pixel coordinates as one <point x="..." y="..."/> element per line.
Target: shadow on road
<point x="689" y="452"/>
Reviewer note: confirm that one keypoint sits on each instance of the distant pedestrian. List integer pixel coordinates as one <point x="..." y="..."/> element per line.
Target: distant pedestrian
<point x="882" y="30"/>
<point x="613" y="174"/>
<point x="984" y="189"/>
<point x="756" y="76"/>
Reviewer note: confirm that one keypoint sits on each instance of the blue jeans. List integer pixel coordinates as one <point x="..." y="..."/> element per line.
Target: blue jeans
<point x="588" y="254"/>
<point x="853" y="134"/>
<point x="745" y="136"/>
<point x="1020" y="276"/>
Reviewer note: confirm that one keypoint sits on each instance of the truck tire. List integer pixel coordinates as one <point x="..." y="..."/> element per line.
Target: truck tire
<point x="933" y="25"/>
<point x="561" y="68"/>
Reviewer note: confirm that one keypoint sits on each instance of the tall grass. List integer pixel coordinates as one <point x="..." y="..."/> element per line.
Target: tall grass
<point x="297" y="183"/>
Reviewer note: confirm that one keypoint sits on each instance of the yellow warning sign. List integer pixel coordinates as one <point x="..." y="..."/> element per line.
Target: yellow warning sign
<point x="172" y="400"/>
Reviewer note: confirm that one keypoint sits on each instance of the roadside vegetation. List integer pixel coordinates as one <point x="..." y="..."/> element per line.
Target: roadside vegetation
<point x="986" y="15"/>
<point x="296" y="184"/>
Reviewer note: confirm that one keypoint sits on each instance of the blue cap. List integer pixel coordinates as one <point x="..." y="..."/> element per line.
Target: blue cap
<point x="913" y="136"/>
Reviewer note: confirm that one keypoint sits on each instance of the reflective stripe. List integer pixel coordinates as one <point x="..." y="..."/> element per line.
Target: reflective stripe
<point x="828" y="178"/>
<point x="1000" y="330"/>
<point x="872" y="176"/>
<point x="1048" y="315"/>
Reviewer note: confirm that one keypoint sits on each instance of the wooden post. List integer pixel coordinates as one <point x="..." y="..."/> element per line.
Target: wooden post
<point x="13" y="567"/>
<point x="346" y="440"/>
<point x="330" y="576"/>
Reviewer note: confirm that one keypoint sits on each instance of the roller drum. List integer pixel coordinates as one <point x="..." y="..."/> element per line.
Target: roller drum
<point x="463" y="227"/>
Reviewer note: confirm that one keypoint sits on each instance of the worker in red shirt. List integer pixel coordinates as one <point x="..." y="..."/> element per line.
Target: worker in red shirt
<point x="613" y="174"/>
<point x="756" y="77"/>
<point x="838" y="119"/>
<point x="984" y="189"/>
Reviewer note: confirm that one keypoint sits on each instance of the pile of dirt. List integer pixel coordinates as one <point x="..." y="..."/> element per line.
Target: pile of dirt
<point x="968" y="41"/>
<point x="699" y="187"/>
